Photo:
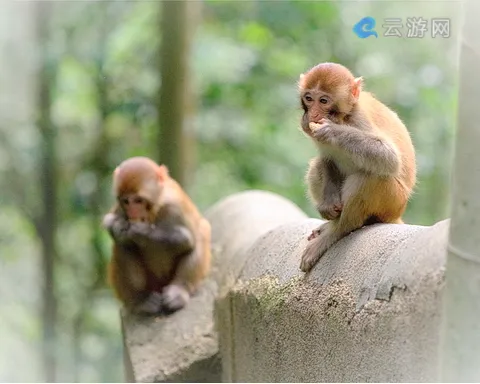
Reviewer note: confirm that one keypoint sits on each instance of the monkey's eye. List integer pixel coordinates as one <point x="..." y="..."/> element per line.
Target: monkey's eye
<point x="323" y="100"/>
<point x="125" y="200"/>
<point x="308" y="98"/>
<point x="138" y="200"/>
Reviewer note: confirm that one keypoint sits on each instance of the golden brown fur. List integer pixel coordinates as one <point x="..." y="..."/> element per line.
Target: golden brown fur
<point x="366" y="171"/>
<point x="156" y="265"/>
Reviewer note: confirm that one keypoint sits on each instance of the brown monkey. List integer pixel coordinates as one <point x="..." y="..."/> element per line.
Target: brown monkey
<point x="161" y="248"/>
<point x="366" y="171"/>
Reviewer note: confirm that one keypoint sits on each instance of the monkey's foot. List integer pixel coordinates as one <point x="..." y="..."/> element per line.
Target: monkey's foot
<point x="316" y="232"/>
<point x="330" y="211"/>
<point x="310" y="256"/>
<point x="152" y="305"/>
<point x="175" y="297"/>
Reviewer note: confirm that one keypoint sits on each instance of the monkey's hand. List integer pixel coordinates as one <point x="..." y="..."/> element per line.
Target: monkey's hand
<point x="108" y="220"/>
<point x="330" y="209"/>
<point x="175" y="297"/>
<point x="325" y="131"/>
<point x="176" y="237"/>
<point x="117" y="226"/>
<point x="180" y="239"/>
<point x="142" y="233"/>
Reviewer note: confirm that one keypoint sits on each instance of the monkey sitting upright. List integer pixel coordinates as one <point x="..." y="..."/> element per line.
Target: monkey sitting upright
<point x="366" y="171"/>
<point x="161" y="249"/>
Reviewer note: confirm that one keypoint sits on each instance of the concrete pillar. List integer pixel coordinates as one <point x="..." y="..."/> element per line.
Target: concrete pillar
<point x="369" y="311"/>
<point x="184" y="347"/>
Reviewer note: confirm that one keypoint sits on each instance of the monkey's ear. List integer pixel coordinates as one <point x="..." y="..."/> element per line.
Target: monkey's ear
<point x="357" y="87"/>
<point x="115" y="172"/>
<point x="162" y="172"/>
<point x="300" y="81"/>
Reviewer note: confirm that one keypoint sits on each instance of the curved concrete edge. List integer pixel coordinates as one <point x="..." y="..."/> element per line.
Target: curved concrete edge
<point x="238" y="221"/>
<point x="368" y="311"/>
<point x="183" y="347"/>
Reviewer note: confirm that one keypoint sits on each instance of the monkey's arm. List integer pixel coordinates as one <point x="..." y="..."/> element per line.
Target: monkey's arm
<point x="176" y="238"/>
<point x="368" y="151"/>
<point x="117" y="226"/>
<point x="325" y="184"/>
<point x="171" y="231"/>
<point x="191" y="270"/>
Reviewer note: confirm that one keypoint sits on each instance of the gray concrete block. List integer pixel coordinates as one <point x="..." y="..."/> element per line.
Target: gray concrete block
<point x="184" y="347"/>
<point x="368" y="312"/>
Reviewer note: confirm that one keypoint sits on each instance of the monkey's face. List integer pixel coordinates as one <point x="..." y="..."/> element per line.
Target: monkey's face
<point x="136" y="207"/>
<point x="327" y="91"/>
<point x="317" y="104"/>
<point x="138" y="189"/>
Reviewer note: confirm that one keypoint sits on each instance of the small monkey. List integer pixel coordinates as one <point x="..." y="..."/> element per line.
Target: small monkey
<point x="366" y="171"/>
<point x="161" y="249"/>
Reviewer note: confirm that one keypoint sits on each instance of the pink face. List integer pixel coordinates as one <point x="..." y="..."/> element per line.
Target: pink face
<point x="135" y="207"/>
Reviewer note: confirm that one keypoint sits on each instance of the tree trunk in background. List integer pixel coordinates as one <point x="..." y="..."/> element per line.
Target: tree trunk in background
<point x="97" y="162"/>
<point x="176" y="133"/>
<point x="461" y="325"/>
<point x="47" y="222"/>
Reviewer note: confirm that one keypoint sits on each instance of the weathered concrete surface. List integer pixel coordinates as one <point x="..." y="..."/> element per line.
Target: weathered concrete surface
<point x="183" y="347"/>
<point x="368" y="312"/>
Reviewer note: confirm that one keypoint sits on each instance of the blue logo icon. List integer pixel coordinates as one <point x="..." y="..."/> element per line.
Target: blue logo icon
<point x="365" y="28"/>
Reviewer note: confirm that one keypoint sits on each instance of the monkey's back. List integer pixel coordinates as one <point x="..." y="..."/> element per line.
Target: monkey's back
<point x="198" y="224"/>
<point x="390" y="126"/>
<point x="175" y="195"/>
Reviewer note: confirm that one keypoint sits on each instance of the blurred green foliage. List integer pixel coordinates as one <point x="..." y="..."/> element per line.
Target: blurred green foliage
<point x="246" y="61"/>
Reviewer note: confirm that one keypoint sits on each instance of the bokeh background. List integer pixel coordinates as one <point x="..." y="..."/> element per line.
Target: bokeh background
<point x="80" y="84"/>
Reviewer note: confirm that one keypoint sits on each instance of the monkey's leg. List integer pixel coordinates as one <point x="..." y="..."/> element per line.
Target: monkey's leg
<point x="175" y="239"/>
<point x="128" y="278"/>
<point x="151" y="305"/>
<point x="325" y="182"/>
<point x="332" y="199"/>
<point x="190" y="271"/>
<point x="365" y="197"/>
